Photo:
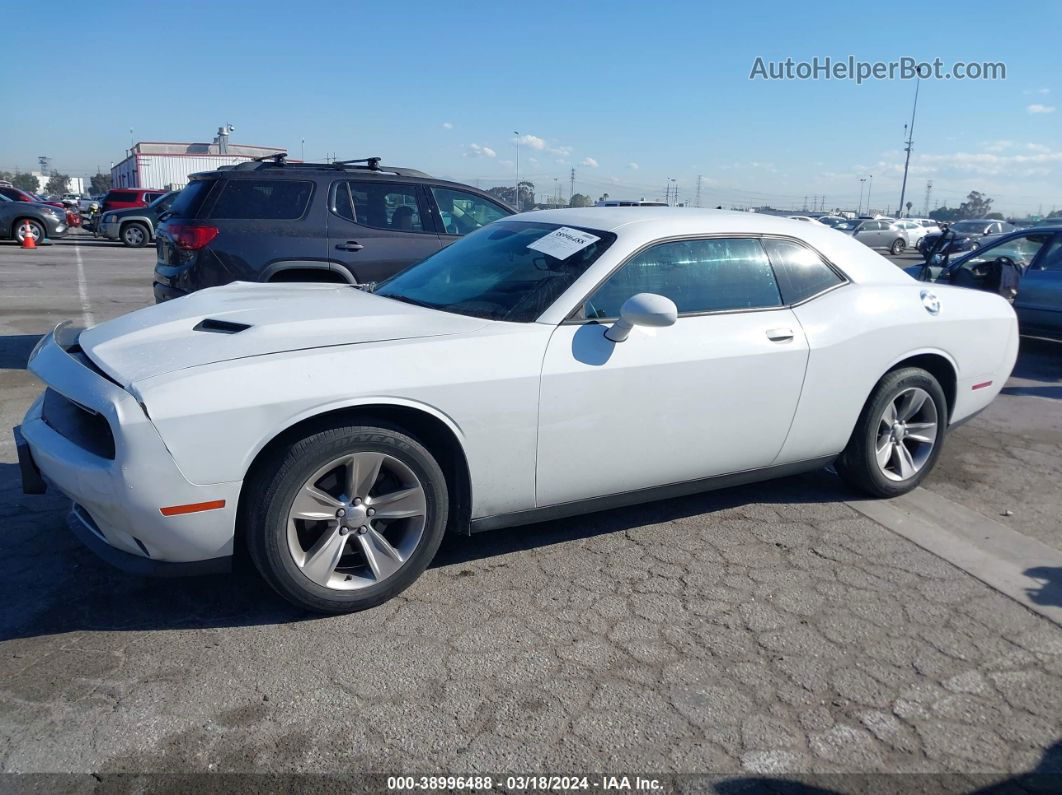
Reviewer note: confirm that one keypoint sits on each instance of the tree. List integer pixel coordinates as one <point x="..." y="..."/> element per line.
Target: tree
<point x="22" y="180"/>
<point x="977" y="205"/>
<point x="57" y="184"/>
<point x="100" y="184"/>
<point x="508" y="195"/>
<point x="580" y="200"/>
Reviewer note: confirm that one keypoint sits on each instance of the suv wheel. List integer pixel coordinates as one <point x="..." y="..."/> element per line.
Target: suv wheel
<point x="346" y="517"/>
<point x="135" y="235"/>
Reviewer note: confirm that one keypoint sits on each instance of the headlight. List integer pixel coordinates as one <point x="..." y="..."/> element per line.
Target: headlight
<point x="50" y="211"/>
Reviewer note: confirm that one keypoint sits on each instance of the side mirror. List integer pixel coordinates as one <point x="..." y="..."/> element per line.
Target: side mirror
<point x="643" y="309"/>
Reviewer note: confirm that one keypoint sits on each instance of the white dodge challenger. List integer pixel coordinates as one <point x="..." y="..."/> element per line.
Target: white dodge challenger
<point x="549" y="364"/>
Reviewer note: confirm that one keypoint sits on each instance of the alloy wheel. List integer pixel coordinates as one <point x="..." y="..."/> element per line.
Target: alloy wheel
<point x="907" y="433"/>
<point x="356" y="520"/>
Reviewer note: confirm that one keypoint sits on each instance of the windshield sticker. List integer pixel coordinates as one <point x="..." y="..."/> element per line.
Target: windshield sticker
<point x="562" y="243"/>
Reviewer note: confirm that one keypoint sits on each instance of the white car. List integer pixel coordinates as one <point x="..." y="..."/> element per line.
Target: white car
<point x="804" y="218"/>
<point x="548" y="364"/>
<point x="912" y="229"/>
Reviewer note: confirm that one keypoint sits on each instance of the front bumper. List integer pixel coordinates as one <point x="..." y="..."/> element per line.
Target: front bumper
<point x="119" y="500"/>
<point x="108" y="230"/>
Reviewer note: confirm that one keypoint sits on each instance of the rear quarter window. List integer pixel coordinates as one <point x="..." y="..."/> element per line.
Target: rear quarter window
<point x="191" y="198"/>
<point x="262" y="199"/>
<point x="801" y="272"/>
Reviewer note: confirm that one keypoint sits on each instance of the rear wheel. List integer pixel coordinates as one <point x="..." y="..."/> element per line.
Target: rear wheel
<point x="898" y="437"/>
<point x="135" y="235"/>
<point x="36" y="230"/>
<point x="897" y="247"/>
<point x="347" y="517"/>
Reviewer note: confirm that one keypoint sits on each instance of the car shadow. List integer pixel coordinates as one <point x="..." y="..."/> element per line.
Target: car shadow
<point x="815" y="487"/>
<point x="57" y="586"/>
<point x="1045" y="777"/>
<point x="1038" y="360"/>
<point x="15" y="350"/>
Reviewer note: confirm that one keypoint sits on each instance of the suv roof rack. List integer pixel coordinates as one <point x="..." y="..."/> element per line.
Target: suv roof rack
<point x="366" y="164"/>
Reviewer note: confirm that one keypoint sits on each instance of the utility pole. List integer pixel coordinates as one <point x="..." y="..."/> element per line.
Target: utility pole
<point x="929" y="192"/>
<point x="517" y="170"/>
<point x="859" y="207"/>
<point x="571" y="195"/>
<point x="667" y="191"/>
<point x="697" y="201"/>
<point x="870" y="186"/>
<point x="910" y="142"/>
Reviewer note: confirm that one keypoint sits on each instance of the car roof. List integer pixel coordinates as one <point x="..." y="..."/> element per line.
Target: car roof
<point x="643" y="225"/>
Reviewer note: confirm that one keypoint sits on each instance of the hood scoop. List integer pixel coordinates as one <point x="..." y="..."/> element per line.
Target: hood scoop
<point x="220" y="326"/>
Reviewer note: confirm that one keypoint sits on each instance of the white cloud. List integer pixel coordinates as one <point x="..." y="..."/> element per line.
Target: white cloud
<point x="533" y="141"/>
<point x="560" y="151"/>
<point x="447" y="125"/>
<point x="632" y="166"/>
<point x="1043" y="92"/>
<point x="1036" y="107"/>
<point x="533" y="161"/>
<point x="475" y="150"/>
<point x="589" y="161"/>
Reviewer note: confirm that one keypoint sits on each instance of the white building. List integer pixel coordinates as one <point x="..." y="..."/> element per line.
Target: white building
<point x="166" y="165"/>
<point x="73" y="184"/>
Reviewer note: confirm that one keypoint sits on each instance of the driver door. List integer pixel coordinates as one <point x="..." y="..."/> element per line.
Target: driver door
<point x="713" y="394"/>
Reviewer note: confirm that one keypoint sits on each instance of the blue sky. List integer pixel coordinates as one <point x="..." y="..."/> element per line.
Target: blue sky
<point x="629" y="93"/>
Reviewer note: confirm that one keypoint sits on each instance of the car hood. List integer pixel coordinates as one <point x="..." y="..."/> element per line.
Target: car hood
<point x="243" y="319"/>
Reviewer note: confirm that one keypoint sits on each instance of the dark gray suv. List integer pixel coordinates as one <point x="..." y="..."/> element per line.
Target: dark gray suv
<point x="351" y="222"/>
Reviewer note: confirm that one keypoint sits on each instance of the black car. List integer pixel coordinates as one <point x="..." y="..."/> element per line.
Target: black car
<point x="351" y="222"/>
<point x="968" y="235"/>
<point x="41" y="220"/>
<point x="134" y="226"/>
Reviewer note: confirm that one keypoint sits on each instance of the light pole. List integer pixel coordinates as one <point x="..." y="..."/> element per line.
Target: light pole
<point x="910" y="143"/>
<point x="859" y="207"/>
<point x="674" y="190"/>
<point x="517" y="170"/>
<point x="870" y="186"/>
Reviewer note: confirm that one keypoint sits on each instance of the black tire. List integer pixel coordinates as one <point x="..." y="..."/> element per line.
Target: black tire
<point x="858" y="466"/>
<point x="135" y="235"/>
<point x="280" y="477"/>
<point x="897" y="247"/>
<point x="36" y="227"/>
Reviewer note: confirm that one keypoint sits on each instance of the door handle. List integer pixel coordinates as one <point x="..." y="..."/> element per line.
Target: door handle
<point x="780" y="334"/>
<point x="350" y="245"/>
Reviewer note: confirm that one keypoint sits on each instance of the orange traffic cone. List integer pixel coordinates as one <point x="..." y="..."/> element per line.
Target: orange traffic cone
<point x="28" y="241"/>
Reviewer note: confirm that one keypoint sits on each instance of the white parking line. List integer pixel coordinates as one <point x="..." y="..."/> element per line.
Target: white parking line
<point x="1014" y="564"/>
<point x="87" y="318"/>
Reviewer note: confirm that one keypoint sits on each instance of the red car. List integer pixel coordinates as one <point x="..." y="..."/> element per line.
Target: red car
<point x="17" y="195"/>
<point x="123" y="198"/>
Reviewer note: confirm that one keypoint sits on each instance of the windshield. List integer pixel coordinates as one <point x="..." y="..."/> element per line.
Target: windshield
<point x="968" y="226"/>
<point x="848" y="226"/>
<point x="493" y="273"/>
<point x="162" y="200"/>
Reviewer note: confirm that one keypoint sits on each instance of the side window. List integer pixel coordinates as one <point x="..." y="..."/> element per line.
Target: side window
<point x="465" y="212"/>
<point x="698" y="275"/>
<point x="1020" y="249"/>
<point x="801" y="272"/>
<point x="262" y="199"/>
<point x="381" y="205"/>
<point x="1052" y="260"/>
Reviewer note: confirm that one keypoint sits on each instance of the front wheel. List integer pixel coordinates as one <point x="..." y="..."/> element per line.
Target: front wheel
<point x="347" y="517"/>
<point x="135" y="235"/>
<point x="897" y="247"/>
<point x="899" y="434"/>
<point x="36" y="230"/>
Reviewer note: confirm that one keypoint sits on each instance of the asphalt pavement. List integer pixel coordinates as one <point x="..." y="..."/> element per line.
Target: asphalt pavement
<point x="772" y="628"/>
